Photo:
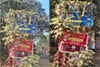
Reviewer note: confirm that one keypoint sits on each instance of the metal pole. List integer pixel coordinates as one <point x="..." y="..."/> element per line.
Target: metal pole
<point x="33" y="49"/>
<point x="99" y="30"/>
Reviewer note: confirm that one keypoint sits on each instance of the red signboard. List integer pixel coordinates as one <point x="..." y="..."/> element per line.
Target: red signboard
<point x="72" y="42"/>
<point x="21" y="48"/>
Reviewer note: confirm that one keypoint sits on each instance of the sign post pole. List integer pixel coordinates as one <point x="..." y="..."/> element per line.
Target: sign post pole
<point x="33" y="50"/>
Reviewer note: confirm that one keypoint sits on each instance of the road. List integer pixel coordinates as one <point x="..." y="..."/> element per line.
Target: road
<point x="96" y="59"/>
<point x="44" y="62"/>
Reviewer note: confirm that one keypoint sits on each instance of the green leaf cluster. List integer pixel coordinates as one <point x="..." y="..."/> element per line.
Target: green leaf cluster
<point x="58" y="22"/>
<point x="30" y="61"/>
<point x="12" y="28"/>
<point x="82" y="59"/>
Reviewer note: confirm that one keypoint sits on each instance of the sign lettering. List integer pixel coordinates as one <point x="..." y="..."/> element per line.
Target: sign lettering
<point x="73" y="42"/>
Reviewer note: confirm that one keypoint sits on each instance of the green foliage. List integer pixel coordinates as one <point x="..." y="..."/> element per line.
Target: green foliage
<point x="50" y="64"/>
<point x="7" y="14"/>
<point x="12" y="28"/>
<point x="43" y="42"/>
<point x="52" y="7"/>
<point x="57" y="22"/>
<point x="82" y="59"/>
<point x="58" y="27"/>
<point x="30" y="61"/>
<point x="27" y="9"/>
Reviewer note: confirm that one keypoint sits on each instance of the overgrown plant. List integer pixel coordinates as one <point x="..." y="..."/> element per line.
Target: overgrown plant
<point x="57" y="26"/>
<point x="10" y="13"/>
<point x="14" y="28"/>
<point x="82" y="59"/>
<point x="30" y="61"/>
<point x="75" y="59"/>
<point x="61" y="60"/>
<point x="63" y="16"/>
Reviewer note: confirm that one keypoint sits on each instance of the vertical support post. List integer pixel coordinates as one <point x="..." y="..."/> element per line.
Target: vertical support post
<point x="64" y="56"/>
<point x="87" y="43"/>
<point x="33" y="49"/>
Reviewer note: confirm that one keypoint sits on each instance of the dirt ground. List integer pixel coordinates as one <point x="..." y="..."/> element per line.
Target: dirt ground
<point x="44" y="62"/>
<point x="96" y="59"/>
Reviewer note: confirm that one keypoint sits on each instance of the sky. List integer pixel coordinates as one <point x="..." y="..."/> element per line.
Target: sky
<point x="45" y="5"/>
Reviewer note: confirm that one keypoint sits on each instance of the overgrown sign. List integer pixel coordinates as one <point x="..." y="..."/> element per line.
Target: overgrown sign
<point x="79" y="13"/>
<point x="21" y="19"/>
<point x="72" y="42"/>
<point x="21" y="48"/>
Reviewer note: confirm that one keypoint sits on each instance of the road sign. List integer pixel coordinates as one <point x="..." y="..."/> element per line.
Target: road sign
<point x="21" y="48"/>
<point x="73" y="42"/>
<point x="76" y="15"/>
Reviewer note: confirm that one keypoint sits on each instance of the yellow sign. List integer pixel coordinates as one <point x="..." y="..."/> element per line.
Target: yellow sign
<point x="75" y="39"/>
<point x="24" y="46"/>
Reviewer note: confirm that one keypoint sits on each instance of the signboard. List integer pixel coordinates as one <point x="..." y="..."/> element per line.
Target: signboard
<point x="21" y="48"/>
<point x="73" y="42"/>
<point x="76" y="15"/>
<point x="33" y="28"/>
<point x="31" y="24"/>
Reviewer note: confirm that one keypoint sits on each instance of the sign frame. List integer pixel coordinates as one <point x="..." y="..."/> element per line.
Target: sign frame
<point x="21" y="51"/>
<point x="62" y="42"/>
